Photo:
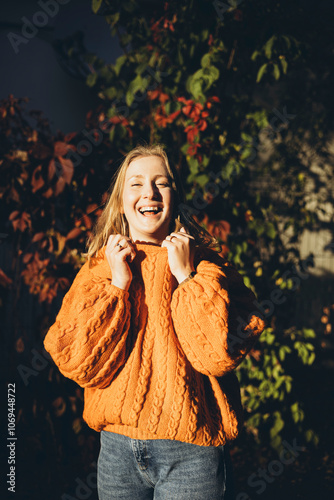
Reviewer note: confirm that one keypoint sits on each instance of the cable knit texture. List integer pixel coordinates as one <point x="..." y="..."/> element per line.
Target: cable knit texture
<point x="157" y="361"/>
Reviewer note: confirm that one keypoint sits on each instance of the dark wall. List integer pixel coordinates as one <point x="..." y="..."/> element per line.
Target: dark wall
<point x="30" y="67"/>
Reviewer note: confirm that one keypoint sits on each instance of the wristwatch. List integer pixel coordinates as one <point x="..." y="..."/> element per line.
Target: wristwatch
<point x="189" y="277"/>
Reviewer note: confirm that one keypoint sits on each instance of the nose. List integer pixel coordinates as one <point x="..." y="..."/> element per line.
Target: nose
<point x="150" y="190"/>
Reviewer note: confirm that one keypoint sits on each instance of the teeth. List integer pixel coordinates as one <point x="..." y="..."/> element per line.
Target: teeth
<point x="149" y="209"/>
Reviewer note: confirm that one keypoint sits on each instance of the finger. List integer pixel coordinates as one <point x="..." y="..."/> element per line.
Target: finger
<point x="126" y="243"/>
<point x="122" y="242"/>
<point x="182" y="235"/>
<point x="168" y="244"/>
<point x="111" y="238"/>
<point x="129" y="243"/>
<point x="118" y="241"/>
<point x="114" y="239"/>
<point x="124" y="253"/>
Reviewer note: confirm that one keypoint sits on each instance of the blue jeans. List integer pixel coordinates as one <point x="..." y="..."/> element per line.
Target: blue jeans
<point x="161" y="469"/>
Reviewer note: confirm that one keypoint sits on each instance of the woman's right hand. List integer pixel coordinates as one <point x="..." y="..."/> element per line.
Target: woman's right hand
<point x="119" y="249"/>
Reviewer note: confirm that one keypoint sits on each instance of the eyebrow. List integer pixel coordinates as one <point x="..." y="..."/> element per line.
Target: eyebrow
<point x="142" y="176"/>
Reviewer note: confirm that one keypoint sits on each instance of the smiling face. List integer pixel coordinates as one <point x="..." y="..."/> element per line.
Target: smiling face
<point x="147" y="199"/>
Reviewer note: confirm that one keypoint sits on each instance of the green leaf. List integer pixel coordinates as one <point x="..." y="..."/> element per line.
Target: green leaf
<point x="276" y="71"/>
<point x="112" y="134"/>
<point x="96" y="4"/>
<point x="179" y="55"/>
<point x="110" y="93"/>
<point x="126" y="38"/>
<point x="91" y="79"/>
<point x="119" y="63"/>
<point x="204" y="35"/>
<point x="206" y="61"/>
<point x="288" y="384"/>
<point x="113" y="19"/>
<point x="278" y="424"/>
<point x="268" y="46"/>
<point x="311" y="358"/>
<point x="202" y="180"/>
<point x="138" y="84"/>
<point x="261" y="72"/>
<point x="283" y="350"/>
<point x="255" y="54"/>
<point x="193" y="164"/>
<point x="284" y="65"/>
<point x="270" y="230"/>
<point x="247" y="281"/>
<point x="287" y="41"/>
<point x="260" y="118"/>
<point x="309" y="333"/>
<point x="297" y="412"/>
<point x="121" y="131"/>
<point x="198" y="83"/>
<point x="129" y="5"/>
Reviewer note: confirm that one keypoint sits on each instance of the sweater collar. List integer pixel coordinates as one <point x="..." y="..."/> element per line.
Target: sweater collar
<point x="143" y="250"/>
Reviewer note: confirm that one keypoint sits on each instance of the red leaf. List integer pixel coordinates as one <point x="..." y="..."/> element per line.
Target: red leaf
<point x="21" y="222"/>
<point x="87" y="221"/>
<point x="4" y="279"/>
<point x="37" y="237"/>
<point x="70" y="136"/>
<point x="37" y="180"/>
<point x="68" y="169"/>
<point x="74" y="233"/>
<point x="48" y="193"/>
<point x="163" y="97"/>
<point x="19" y="345"/>
<point x="153" y="94"/>
<point x="60" y="148"/>
<point x="60" y="186"/>
<point x="51" y="169"/>
<point x="27" y="258"/>
<point x="13" y="215"/>
<point x="91" y="207"/>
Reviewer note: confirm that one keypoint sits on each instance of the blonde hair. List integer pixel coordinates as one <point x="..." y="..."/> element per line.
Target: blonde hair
<point x="112" y="221"/>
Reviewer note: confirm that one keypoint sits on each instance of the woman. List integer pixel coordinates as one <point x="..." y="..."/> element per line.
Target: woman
<point x="152" y="327"/>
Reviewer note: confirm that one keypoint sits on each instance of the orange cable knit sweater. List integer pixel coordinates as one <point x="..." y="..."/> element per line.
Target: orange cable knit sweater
<point x="154" y="361"/>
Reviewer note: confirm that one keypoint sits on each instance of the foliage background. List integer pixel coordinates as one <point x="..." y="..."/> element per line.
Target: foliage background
<point x="240" y="94"/>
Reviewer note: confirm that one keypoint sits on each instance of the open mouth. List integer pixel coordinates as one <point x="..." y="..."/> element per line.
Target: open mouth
<point x="150" y="211"/>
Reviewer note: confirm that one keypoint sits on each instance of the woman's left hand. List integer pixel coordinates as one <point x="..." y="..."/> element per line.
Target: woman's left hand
<point x="181" y="250"/>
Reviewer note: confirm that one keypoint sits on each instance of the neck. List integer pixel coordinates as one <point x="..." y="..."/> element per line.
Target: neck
<point x="147" y="239"/>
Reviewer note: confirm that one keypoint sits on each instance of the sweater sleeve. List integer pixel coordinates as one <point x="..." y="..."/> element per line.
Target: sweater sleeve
<point x="215" y="318"/>
<point x="88" y="339"/>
